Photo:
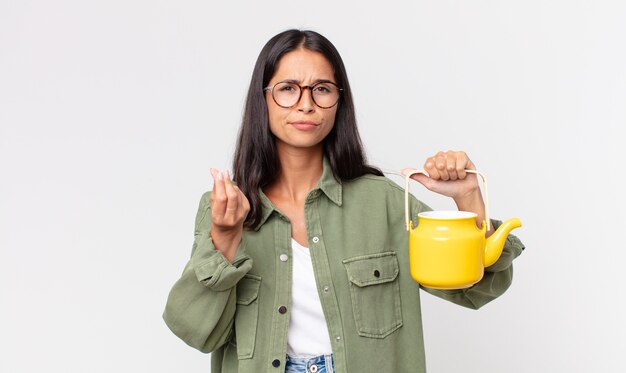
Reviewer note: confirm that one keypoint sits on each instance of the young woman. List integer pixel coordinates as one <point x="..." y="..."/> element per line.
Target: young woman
<point x="300" y="261"/>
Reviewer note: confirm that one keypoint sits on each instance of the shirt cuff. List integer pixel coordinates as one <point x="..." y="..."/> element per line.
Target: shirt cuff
<point x="218" y="274"/>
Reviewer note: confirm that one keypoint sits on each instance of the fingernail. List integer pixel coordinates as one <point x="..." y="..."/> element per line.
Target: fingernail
<point x="219" y="176"/>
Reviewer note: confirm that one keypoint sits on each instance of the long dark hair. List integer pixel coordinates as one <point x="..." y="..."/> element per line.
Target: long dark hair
<point x="256" y="162"/>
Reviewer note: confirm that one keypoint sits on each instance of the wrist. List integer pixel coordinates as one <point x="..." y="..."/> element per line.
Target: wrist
<point x="472" y="202"/>
<point x="226" y="242"/>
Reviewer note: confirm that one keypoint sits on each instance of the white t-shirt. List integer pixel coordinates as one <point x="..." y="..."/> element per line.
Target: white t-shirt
<point x="308" y="333"/>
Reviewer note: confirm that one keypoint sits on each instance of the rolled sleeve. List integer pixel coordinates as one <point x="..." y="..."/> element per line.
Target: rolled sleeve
<point x="217" y="273"/>
<point x="211" y="267"/>
<point x="201" y="306"/>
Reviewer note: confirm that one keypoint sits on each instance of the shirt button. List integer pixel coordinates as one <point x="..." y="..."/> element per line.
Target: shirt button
<point x="276" y="363"/>
<point x="326" y="289"/>
<point x="282" y="309"/>
<point x="338" y="338"/>
<point x="316" y="239"/>
<point x="283" y="257"/>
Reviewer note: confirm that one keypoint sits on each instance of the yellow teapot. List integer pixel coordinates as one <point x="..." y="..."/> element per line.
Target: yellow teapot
<point x="447" y="250"/>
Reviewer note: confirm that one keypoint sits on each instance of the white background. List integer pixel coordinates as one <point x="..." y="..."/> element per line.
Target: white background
<point x="112" y="112"/>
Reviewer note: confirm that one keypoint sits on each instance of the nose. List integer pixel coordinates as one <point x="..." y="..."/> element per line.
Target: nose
<point x="306" y="103"/>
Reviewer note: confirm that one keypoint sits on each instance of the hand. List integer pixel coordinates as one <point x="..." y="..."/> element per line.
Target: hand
<point x="447" y="176"/>
<point x="229" y="208"/>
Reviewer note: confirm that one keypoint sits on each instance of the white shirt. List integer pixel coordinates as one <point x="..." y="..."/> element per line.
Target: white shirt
<point x="308" y="333"/>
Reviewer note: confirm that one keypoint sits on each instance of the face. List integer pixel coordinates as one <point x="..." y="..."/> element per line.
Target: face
<point x="305" y="124"/>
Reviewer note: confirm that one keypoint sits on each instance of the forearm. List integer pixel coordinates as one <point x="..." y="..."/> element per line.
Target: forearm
<point x="201" y="305"/>
<point x="201" y="317"/>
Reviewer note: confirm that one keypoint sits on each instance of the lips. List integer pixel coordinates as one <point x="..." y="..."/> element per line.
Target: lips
<point x="304" y="125"/>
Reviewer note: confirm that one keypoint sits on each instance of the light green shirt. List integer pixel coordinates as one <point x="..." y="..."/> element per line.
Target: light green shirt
<point x="359" y="248"/>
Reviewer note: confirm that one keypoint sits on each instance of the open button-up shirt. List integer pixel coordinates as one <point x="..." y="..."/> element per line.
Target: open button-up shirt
<point x="358" y="242"/>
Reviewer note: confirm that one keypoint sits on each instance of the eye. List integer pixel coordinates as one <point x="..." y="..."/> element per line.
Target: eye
<point x="286" y="88"/>
<point x="323" y="88"/>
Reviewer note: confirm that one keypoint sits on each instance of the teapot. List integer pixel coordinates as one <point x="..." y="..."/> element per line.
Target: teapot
<point x="447" y="250"/>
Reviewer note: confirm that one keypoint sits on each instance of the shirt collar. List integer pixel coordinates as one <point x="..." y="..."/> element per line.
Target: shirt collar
<point x="330" y="186"/>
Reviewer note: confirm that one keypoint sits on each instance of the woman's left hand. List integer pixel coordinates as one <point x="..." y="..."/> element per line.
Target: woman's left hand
<point x="447" y="176"/>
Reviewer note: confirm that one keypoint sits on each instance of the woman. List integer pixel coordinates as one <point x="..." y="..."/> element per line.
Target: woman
<point x="303" y="265"/>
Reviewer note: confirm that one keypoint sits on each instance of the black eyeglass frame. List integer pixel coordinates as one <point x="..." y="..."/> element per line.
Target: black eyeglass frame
<point x="302" y="88"/>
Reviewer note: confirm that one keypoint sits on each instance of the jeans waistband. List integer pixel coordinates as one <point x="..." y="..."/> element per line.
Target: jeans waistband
<point x="321" y="364"/>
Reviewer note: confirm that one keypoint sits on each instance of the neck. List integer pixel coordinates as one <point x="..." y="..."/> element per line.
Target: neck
<point x="300" y="170"/>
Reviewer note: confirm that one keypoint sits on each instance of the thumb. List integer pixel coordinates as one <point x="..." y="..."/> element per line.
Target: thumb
<point x="406" y="171"/>
<point x="419" y="175"/>
<point x="424" y="180"/>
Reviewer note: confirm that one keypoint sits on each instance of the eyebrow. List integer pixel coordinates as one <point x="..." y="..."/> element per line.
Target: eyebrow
<point x="317" y="81"/>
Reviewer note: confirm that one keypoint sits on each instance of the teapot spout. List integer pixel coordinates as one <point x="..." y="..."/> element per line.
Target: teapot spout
<point x="495" y="243"/>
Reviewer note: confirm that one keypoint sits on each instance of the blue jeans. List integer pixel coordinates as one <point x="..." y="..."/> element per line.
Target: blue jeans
<point x="310" y="364"/>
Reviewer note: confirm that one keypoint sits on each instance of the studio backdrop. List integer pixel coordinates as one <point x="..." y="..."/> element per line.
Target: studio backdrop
<point x="112" y="113"/>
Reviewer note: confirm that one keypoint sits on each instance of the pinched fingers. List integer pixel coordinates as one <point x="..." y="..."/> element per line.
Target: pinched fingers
<point x="234" y="200"/>
<point x="218" y="199"/>
<point x="221" y="200"/>
<point x="229" y="206"/>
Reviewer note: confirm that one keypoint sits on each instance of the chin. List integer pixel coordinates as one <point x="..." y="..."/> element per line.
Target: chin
<point x="302" y="143"/>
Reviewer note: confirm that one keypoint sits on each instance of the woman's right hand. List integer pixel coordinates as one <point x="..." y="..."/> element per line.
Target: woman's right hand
<point x="229" y="208"/>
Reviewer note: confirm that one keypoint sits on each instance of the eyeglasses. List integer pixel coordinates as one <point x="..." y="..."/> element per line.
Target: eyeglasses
<point x="287" y="93"/>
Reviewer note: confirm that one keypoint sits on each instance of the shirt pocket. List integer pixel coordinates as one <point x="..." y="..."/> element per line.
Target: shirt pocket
<point x="247" y="315"/>
<point x="375" y="293"/>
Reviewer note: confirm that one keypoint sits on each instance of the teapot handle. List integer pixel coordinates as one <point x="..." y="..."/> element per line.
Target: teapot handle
<point x="406" y="196"/>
